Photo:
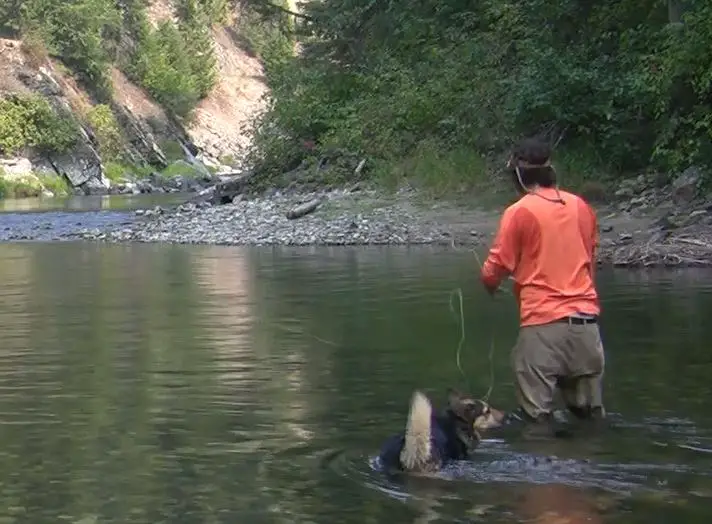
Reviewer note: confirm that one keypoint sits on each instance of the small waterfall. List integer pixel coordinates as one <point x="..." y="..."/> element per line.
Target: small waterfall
<point x="192" y="160"/>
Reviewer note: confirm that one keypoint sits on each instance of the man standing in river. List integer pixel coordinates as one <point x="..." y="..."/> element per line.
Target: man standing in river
<point x="546" y="241"/>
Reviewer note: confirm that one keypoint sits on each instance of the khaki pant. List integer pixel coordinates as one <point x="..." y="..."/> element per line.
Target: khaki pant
<point x="558" y="356"/>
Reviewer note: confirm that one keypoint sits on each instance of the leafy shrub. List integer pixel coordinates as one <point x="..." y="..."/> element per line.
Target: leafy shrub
<point x="34" y="49"/>
<point x="28" y="121"/>
<point x="116" y="171"/>
<point x="80" y="33"/>
<point x="268" y="38"/>
<point x="108" y="133"/>
<point x="58" y="185"/>
<point x="180" y="168"/>
<point x="18" y="189"/>
<point x="172" y="149"/>
<point x="31" y="185"/>
<point x="616" y="85"/>
<point x="176" y="66"/>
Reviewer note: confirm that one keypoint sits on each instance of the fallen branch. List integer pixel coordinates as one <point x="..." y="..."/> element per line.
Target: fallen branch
<point x="675" y="252"/>
<point x="359" y="168"/>
<point x="303" y="209"/>
<point x="694" y="242"/>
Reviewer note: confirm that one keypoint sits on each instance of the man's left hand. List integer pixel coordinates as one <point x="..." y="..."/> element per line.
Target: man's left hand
<point x="491" y="289"/>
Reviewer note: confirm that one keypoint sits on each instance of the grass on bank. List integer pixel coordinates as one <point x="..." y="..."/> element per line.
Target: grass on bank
<point x="118" y="172"/>
<point x="32" y="185"/>
<point x="463" y="174"/>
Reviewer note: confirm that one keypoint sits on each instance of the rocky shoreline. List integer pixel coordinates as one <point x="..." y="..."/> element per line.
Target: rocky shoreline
<point x="343" y="217"/>
<point x="647" y="225"/>
<point x="629" y="237"/>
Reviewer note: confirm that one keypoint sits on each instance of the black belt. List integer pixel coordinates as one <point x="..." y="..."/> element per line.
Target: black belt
<point x="578" y="320"/>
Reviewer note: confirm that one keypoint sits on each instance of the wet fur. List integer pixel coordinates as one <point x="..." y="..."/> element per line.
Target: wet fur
<point x="431" y="440"/>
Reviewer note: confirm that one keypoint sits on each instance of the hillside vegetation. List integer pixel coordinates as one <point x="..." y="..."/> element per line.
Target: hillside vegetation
<point x="174" y="59"/>
<point x="433" y="90"/>
<point x="438" y="89"/>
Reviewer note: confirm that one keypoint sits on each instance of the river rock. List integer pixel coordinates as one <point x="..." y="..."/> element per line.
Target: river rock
<point x="16" y="166"/>
<point x="631" y="187"/>
<point x="225" y="191"/>
<point x="685" y="186"/>
<point x="96" y="186"/>
<point x="144" y="147"/>
<point x="625" y="238"/>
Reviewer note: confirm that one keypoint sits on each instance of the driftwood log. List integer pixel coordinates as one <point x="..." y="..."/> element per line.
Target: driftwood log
<point x="225" y="190"/>
<point x="359" y="168"/>
<point x="229" y="187"/>
<point x="303" y="209"/>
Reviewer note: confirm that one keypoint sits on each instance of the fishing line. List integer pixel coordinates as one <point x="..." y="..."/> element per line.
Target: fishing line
<point x="458" y="360"/>
<point x="458" y="293"/>
<point x="557" y="200"/>
<point x="458" y="354"/>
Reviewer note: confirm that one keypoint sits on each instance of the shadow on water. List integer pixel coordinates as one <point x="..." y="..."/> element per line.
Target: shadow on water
<point x="185" y="384"/>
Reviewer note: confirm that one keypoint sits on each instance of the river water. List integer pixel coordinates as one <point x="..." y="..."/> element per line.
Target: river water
<point x="47" y="219"/>
<point x="195" y="384"/>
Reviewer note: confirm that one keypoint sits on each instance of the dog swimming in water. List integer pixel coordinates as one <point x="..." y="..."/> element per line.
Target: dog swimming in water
<point x="433" y="439"/>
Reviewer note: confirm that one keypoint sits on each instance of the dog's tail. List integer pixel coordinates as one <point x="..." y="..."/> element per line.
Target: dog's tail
<point x="417" y="449"/>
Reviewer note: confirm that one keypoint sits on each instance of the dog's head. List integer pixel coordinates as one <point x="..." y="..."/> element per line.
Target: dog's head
<point x="472" y="416"/>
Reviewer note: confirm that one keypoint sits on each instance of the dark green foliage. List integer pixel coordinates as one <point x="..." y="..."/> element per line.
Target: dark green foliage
<point x="213" y="11"/>
<point x="29" y="121"/>
<point x="79" y="32"/>
<point x="268" y="35"/>
<point x="175" y="63"/>
<point x="10" y="17"/>
<point x="176" y="66"/>
<point x="614" y="81"/>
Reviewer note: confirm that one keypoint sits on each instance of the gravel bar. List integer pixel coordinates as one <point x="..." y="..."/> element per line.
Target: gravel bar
<point x="343" y="218"/>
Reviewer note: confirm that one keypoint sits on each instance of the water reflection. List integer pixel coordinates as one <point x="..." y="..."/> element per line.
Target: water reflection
<point x="557" y="504"/>
<point x="90" y="202"/>
<point x="160" y="383"/>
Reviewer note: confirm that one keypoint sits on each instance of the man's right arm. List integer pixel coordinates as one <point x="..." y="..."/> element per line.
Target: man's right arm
<point x="503" y="255"/>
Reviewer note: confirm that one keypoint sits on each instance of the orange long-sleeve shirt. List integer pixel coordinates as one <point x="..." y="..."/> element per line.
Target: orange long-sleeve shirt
<point x="548" y="248"/>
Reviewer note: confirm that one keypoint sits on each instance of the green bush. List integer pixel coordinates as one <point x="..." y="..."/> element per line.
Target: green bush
<point x="176" y="65"/>
<point x="81" y="33"/>
<point x="117" y="171"/>
<point x="436" y="168"/>
<point x="28" y="121"/>
<point x="180" y="168"/>
<point x="18" y="189"/>
<point x="172" y="150"/>
<point x="619" y="87"/>
<point x="56" y="184"/>
<point x="107" y="131"/>
<point x="32" y="185"/>
<point x="268" y="38"/>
